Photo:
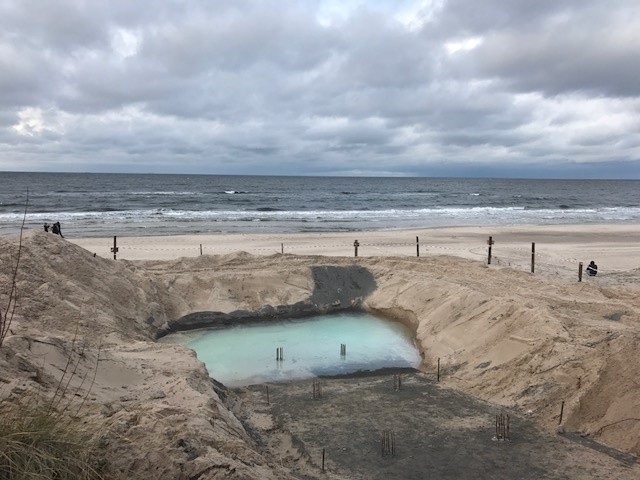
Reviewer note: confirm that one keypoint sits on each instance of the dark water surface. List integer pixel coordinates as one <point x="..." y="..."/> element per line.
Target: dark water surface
<point x="142" y="204"/>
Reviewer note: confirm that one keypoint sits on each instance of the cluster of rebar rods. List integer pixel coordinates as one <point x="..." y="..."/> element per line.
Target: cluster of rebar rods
<point x="502" y="427"/>
<point x="388" y="443"/>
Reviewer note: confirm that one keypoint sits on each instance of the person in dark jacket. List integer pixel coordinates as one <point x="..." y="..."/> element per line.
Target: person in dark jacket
<point x="55" y="228"/>
<point x="592" y="269"/>
<point x="46" y="227"/>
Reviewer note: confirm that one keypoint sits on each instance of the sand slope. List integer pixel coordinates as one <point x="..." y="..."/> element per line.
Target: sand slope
<point x="501" y="334"/>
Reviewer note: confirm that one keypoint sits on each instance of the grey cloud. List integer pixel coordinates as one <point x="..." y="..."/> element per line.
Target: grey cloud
<point x="460" y="18"/>
<point x="238" y="39"/>
<point x="574" y="46"/>
<point x="60" y="25"/>
<point x="251" y="86"/>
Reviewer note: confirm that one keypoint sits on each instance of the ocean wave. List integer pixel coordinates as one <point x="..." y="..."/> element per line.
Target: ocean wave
<point x="108" y="214"/>
<point x="167" y="220"/>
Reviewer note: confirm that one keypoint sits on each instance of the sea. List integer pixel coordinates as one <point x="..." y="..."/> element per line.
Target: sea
<point x="100" y="204"/>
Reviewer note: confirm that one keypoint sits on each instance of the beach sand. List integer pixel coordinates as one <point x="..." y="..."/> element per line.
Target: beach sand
<point x="527" y="342"/>
<point x="613" y="247"/>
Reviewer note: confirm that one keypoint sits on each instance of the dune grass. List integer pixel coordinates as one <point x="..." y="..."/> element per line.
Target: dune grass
<point x="38" y="443"/>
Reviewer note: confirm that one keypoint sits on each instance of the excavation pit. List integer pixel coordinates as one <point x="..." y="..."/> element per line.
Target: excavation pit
<point x="284" y="350"/>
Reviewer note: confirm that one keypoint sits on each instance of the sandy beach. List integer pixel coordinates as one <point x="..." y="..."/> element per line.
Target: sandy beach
<point x="614" y="247"/>
<point x="529" y="343"/>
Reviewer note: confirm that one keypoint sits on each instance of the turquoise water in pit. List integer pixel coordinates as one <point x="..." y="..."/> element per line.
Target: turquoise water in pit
<point x="246" y="354"/>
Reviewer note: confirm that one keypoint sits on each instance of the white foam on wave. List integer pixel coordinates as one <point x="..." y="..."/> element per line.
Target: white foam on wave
<point x="168" y="221"/>
<point x="613" y="213"/>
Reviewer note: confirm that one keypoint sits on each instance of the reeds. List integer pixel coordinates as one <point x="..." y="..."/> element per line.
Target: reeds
<point x="8" y="310"/>
<point x="38" y="443"/>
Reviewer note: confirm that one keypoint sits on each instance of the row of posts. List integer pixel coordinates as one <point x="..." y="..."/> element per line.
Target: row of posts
<point x="356" y="244"/>
<point x="490" y="244"/>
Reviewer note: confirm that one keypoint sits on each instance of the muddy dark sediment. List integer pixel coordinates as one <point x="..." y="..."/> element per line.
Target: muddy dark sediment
<point x="439" y="433"/>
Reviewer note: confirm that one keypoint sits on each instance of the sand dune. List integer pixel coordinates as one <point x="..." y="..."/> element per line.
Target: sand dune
<point x="507" y="336"/>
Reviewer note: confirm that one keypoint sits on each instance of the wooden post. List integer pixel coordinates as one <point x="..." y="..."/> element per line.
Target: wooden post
<point x="533" y="257"/>
<point x="438" y="369"/>
<point x="323" y="459"/>
<point x="356" y="244"/>
<point x="268" y="402"/>
<point x="561" y="412"/>
<point x="114" y="249"/>
<point x="201" y="249"/>
<point x="580" y="271"/>
<point x="490" y="242"/>
<point x="417" y="247"/>
<point x="282" y="248"/>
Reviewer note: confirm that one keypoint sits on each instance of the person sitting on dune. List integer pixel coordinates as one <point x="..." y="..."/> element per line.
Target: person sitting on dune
<point x="592" y="269"/>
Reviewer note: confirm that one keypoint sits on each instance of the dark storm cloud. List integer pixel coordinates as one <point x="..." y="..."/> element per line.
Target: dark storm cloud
<point x="321" y="86"/>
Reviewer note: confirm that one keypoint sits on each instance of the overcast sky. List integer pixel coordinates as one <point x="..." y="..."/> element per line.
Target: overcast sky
<point x="508" y="88"/>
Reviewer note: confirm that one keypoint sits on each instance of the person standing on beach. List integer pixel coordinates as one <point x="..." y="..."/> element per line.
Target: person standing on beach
<point x="46" y="227"/>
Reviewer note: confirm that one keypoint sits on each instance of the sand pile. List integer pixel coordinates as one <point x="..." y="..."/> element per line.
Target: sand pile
<point x="506" y="336"/>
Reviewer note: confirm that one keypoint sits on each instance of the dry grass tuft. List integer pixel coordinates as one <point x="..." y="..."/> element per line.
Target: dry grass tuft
<point x="37" y="443"/>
